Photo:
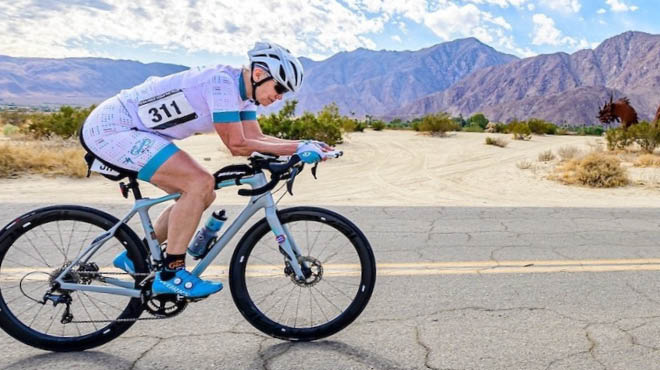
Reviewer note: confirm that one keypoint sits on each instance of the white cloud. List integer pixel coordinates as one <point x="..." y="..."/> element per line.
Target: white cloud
<point x="531" y="7"/>
<point x="601" y="11"/>
<point x="620" y="6"/>
<point x="568" y="6"/>
<point x="396" y="38"/>
<point x="545" y="33"/>
<point x="500" y="3"/>
<point x="52" y="29"/>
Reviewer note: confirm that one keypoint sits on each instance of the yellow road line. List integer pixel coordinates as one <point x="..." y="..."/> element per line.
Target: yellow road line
<point x="413" y="268"/>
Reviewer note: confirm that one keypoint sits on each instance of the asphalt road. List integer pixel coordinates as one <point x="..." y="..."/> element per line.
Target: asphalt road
<point x="458" y="288"/>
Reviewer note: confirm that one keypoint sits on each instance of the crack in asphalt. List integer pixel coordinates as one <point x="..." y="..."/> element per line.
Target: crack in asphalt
<point x="427" y="349"/>
<point x="143" y="354"/>
<point x="592" y="346"/>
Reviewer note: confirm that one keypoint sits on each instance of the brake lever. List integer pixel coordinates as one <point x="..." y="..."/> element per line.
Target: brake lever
<point x="314" y="170"/>
<point x="289" y="182"/>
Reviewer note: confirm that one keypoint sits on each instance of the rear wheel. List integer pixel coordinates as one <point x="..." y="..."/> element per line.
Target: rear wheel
<point x="34" y="249"/>
<point x="338" y="284"/>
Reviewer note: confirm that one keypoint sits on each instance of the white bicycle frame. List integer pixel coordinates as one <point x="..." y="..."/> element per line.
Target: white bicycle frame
<point x="142" y="206"/>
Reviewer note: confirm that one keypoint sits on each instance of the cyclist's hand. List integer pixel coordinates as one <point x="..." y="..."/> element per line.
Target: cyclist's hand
<point x="310" y="152"/>
<point x="324" y="147"/>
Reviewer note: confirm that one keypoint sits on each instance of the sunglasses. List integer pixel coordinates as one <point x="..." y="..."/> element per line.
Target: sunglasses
<point x="280" y="89"/>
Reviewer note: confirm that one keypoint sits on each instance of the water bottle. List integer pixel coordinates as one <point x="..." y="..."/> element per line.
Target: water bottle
<point x="206" y="235"/>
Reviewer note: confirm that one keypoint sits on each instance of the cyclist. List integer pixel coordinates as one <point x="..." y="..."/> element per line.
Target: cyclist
<point x="133" y="132"/>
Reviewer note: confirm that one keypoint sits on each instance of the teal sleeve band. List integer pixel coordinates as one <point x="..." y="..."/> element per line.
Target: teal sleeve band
<point x="225" y="117"/>
<point x="156" y="161"/>
<point x="249" y="115"/>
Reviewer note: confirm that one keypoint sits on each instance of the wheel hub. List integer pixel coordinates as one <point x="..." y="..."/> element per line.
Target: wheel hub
<point x="313" y="273"/>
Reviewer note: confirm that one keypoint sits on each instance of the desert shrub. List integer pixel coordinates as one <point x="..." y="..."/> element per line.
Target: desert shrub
<point x="378" y="125"/>
<point x="618" y="138"/>
<point x="64" y="123"/>
<point x="10" y="130"/>
<point x="568" y="152"/>
<point x="524" y="164"/>
<point x="325" y="126"/>
<point x="437" y="124"/>
<point x="497" y="142"/>
<point x="541" y="127"/>
<point x="595" y="170"/>
<point x="49" y="157"/>
<point x="478" y="120"/>
<point x="546" y="156"/>
<point x="520" y="130"/>
<point x="491" y="128"/>
<point x="589" y="130"/>
<point x="646" y="135"/>
<point x="647" y="160"/>
<point x="473" y="128"/>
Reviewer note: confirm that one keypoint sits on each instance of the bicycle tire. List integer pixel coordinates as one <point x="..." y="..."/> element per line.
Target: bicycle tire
<point x="14" y="236"/>
<point x="253" y="312"/>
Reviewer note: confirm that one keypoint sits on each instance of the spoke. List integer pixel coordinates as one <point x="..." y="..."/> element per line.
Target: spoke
<point x="85" y="308"/>
<point x="59" y="232"/>
<point x="102" y="301"/>
<point x="295" y="320"/>
<point x="53" y="318"/>
<point x="328" y="244"/>
<point x="274" y="304"/>
<point x="53" y="241"/>
<point x="36" y="315"/>
<point x="340" y="291"/>
<point x="95" y="305"/>
<point x="315" y="240"/>
<point x="271" y="293"/>
<point x="286" y="304"/>
<point x="84" y="239"/>
<point x="311" y="320"/>
<point x="262" y="260"/>
<point x="26" y="293"/>
<point x="31" y="306"/>
<point x="18" y="263"/>
<point x="73" y="225"/>
<point x="326" y="298"/>
<point x="320" y="308"/>
<point x="83" y="243"/>
<point x="29" y="255"/>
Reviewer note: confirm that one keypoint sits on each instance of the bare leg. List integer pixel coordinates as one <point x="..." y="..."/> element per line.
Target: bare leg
<point x="178" y="222"/>
<point x="161" y="224"/>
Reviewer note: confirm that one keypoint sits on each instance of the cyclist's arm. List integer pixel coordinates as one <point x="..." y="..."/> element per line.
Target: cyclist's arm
<point x="238" y="144"/>
<point x="252" y="130"/>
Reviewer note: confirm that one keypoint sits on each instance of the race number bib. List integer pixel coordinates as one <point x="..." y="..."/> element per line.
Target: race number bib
<point x="166" y="110"/>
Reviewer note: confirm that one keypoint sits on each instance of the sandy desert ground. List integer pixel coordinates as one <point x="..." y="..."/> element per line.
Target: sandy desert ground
<point x="391" y="168"/>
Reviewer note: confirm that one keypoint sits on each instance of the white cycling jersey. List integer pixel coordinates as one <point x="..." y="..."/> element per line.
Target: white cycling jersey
<point x="189" y="102"/>
<point x="133" y="131"/>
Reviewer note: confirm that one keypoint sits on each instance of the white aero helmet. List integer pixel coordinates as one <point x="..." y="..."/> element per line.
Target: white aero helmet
<point x="281" y="64"/>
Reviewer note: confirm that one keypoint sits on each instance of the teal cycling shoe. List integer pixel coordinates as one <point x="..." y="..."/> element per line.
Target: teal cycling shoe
<point x="122" y="261"/>
<point x="185" y="284"/>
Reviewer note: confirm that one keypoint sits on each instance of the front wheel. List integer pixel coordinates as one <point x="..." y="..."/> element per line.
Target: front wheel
<point x="339" y="280"/>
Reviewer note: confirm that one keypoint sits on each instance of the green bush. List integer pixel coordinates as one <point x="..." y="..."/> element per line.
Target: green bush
<point x="10" y="130"/>
<point x="520" y="130"/>
<point x="326" y="126"/>
<point x="473" y="128"/>
<point x="378" y="125"/>
<point x="618" y="138"/>
<point x="589" y="130"/>
<point x="479" y="120"/>
<point x="541" y="127"/>
<point x="438" y="124"/>
<point x="646" y="135"/>
<point x="64" y="123"/>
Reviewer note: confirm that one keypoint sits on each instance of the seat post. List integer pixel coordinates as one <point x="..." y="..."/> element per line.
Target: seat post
<point x="135" y="187"/>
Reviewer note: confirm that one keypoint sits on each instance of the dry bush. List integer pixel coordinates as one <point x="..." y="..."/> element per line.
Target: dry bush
<point x="546" y="156"/>
<point x="497" y="142"/>
<point x="596" y="170"/>
<point x="52" y="157"/>
<point x="568" y="152"/>
<point x="524" y="164"/>
<point x="647" y="160"/>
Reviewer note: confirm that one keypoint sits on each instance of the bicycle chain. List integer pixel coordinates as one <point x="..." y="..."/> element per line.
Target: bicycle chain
<point x="132" y="319"/>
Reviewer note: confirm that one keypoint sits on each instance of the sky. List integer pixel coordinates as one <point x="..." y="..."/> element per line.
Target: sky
<point x="207" y="32"/>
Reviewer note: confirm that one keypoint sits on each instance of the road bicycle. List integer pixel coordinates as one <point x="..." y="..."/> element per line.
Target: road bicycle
<point x="298" y="274"/>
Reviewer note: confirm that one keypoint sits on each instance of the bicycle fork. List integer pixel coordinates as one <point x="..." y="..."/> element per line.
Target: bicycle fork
<point x="287" y="244"/>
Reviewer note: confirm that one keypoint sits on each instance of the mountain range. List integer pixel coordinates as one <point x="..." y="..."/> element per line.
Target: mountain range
<point x="460" y="77"/>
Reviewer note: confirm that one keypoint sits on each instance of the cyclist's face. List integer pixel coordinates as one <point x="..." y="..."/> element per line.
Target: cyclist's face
<point x="266" y="93"/>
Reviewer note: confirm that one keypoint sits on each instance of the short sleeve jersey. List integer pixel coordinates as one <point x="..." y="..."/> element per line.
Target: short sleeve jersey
<point x="182" y="104"/>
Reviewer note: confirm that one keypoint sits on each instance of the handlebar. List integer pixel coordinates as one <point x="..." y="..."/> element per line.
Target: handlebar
<point x="279" y="169"/>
